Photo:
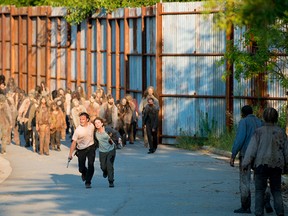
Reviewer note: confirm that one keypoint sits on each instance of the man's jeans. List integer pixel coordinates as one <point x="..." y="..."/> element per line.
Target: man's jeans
<point x="245" y="179"/>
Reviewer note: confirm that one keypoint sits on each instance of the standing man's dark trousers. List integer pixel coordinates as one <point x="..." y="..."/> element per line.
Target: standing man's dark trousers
<point x="262" y="174"/>
<point x="28" y="134"/>
<point x="90" y="154"/>
<point x="152" y="138"/>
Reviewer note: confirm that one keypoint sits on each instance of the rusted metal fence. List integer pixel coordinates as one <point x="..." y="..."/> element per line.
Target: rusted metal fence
<point x="171" y="46"/>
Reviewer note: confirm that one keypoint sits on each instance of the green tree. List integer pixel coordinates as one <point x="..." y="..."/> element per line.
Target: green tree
<point x="263" y="47"/>
<point x="80" y="10"/>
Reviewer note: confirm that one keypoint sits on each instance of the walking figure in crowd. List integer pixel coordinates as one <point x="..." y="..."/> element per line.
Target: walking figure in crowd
<point x="32" y="121"/>
<point x="107" y="151"/>
<point x="92" y="107"/>
<point x="75" y="111"/>
<point x="83" y="143"/>
<point x="23" y="117"/>
<point x="109" y="112"/>
<point x="150" y="121"/>
<point x="43" y="125"/>
<point x="149" y="92"/>
<point x="126" y="111"/>
<point x="5" y="123"/>
<point x="268" y="153"/>
<point x="57" y="125"/>
<point x="246" y="128"/>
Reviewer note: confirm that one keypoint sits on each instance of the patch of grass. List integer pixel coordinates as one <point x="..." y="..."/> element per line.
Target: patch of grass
<point x="207" y="135"/>
<point x="223" y="142"/>
<point x="192" y="142"/>
<point x="189" y="142"/>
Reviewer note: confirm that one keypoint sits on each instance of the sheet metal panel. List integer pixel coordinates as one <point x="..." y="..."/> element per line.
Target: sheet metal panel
<point x="135" y="73"/>
<point x="73" y="53"/>
<point x="188" y="115"/>
<point x="191" y="75"/>
<point x="150" y="29"/>
<point x="94" y="49"/>
<point x="135" y="45"/>
<point x="63" y="51"/>
<point x="122" y="55"/>
<point x="151" y="71"/>
<point x="113" y="54"/>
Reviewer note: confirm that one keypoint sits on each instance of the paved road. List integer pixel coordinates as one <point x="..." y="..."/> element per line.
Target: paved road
<point x="169" y="182"/>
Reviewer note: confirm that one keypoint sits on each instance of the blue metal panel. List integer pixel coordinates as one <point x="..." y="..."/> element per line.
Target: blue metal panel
<point x="94" y="55"/>
<point x="53" y="59"/>
<point x="199" y="75"/>
<point x="73" y="52"/>
<point x="113" y="68"/>
<point x="122" y="71"/>
<point x="104" y="69"/>
<point x="150" y="27"/>
<point x="63" y="53"/>
<point x="135" y="72"/>
<point x="103" y="34"/>
<point x="151" y="71"/>
<point x="83" y="52"/>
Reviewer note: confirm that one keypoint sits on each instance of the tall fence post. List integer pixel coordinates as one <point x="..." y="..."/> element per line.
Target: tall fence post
<point x="89" y="61"/>
<point x="126" y="50"/>
<point x="99" y="56"/>
<point x="108" y="53"/>
<point x="144" y="47"/>
<point x="117" y="61"/>
<point x="30" y="61"/>
<point x="78" y="56"/>
<point x="229" y="80"/>
<point x="159" y="47"/>
<point x="48" y="49"/>
<point x="3" y="41"/>
<point x="13" y="28"/>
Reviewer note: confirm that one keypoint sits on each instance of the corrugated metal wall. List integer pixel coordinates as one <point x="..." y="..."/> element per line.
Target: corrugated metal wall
<point x="171" y="46"/>
<point x="192" y="85"/>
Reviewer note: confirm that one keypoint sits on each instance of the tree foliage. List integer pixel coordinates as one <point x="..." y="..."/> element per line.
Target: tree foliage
<point x="263" y="46"/>
<point x="80" y="10"/>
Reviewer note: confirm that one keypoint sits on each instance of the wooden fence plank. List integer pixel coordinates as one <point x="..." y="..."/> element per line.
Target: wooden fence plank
<point x="159" y="62"/>
<point x="89" y="60"/>
<point x="108" y="54"/>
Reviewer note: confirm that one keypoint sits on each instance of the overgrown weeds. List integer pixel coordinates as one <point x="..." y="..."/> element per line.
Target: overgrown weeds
<point x="209" y="136"/>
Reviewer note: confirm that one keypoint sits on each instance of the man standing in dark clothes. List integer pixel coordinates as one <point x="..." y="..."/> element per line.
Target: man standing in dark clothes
<point x="150" y="121"/>
<point x="83" y="141"/>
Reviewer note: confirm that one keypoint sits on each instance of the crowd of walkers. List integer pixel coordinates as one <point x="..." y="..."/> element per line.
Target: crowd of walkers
<point x="46" y="117"/>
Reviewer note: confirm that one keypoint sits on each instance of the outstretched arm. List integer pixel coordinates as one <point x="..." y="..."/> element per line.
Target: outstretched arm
<point x="72" y="149"/>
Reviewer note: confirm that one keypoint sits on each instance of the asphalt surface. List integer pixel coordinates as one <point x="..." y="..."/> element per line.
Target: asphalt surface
<point x="169" y="182"/>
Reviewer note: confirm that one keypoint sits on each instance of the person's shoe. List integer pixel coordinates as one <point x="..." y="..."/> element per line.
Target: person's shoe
<point x="269" y="209"/>
<point x="111" y="184"/>
<point x="83" y="177"/>
<point x="87" y="185"/>
<point x="131" y="142"/>
<point x="243" y="211"/>
<point x="105" y="174"/>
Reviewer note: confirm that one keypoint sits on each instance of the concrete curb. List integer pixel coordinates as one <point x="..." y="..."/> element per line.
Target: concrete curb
<point x="5" y="169"/>
<point x="217" y="151"/>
